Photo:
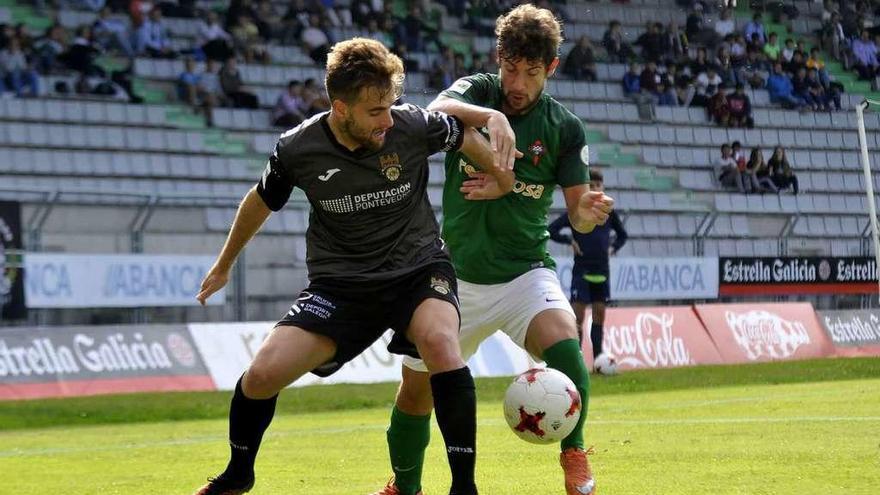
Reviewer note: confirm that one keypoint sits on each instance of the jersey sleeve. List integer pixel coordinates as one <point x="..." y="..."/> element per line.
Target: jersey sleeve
<point x="475" y="89"/>
<point x="442" y="132"/>
<point x="277" y="182"/>
<point x="574" y="161"/>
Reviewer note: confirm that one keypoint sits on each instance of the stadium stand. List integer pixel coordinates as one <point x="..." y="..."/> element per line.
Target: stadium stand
<point x="88" y="167"/>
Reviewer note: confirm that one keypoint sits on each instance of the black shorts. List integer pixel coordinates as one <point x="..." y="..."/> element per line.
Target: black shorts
<point x="356" y="314"/>
<point x="587" y="291"/>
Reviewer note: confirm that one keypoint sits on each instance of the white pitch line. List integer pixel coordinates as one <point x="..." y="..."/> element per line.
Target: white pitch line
<point x="485" y="422"/>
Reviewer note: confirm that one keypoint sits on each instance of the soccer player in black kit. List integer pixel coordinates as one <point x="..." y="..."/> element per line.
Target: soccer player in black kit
<point x="374" y="254"/>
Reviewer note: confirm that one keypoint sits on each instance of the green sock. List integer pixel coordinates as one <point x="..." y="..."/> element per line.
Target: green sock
<point x="408" y="437"/>
<point x="566" y="357"/>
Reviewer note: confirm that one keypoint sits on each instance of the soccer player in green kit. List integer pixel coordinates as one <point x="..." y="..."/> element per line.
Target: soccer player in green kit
<point x="498" y="242"/>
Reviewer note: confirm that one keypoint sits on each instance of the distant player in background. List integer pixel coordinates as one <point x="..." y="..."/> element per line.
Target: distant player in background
<point x="376" y="260"/>
<point x="589" y="276"/>
<point x="506" y="277"/>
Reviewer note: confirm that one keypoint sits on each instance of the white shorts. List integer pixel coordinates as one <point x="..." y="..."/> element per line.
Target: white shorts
<point x="509" y="307"/>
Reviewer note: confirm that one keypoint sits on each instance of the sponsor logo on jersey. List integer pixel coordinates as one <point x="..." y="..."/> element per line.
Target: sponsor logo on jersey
<point x="537" y="150"/>
<point x="440" y="284"/>
<point x="328" y="174"/>
<point x="460" y="86"/>
<point x="389" y="165"/>
<point x="534" y="191"/>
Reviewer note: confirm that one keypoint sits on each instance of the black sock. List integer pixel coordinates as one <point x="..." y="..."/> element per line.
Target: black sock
<point x="455" y="401"/>
<point x="248" y="420"/>
<point x="596" y="335"/>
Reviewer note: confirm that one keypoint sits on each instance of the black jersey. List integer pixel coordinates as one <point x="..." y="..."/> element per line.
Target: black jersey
<point x="370" y="216"/>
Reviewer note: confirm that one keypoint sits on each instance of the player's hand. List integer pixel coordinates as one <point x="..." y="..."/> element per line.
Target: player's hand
<point x="481" y="186"/>
<point x="576" y="248"/>
<point x="594" y="207"/>
<point x="215" y="280"/>
<point x="503" y="141"/>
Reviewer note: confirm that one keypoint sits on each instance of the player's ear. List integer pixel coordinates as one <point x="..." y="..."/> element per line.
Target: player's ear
<point x="551" y="69"/>
<point x="340" y="108"/>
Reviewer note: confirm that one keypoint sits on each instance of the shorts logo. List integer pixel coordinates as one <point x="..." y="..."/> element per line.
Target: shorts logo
<point x="390" y="166"/>
<point x="537" y="150"/>
<point x="440" y="284"/>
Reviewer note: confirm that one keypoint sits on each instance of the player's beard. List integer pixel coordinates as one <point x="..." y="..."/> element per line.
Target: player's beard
<point x="521" y="102"/>
<point x="363" y="137"/>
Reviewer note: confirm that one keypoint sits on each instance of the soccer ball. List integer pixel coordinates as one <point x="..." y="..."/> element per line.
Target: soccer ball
<point x="605" y="365"/>
<point x="542" y="406"/>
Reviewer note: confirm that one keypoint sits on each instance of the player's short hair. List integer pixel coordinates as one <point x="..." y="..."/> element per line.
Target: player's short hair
<point x="530" y="33"/>
<point x="596" y="175"/>
<point x="359" y="63"/>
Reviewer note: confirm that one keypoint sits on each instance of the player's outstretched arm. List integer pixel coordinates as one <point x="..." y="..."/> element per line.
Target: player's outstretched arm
<point x="586" y="208"/>
<point x="502" y="140"/>
<point x="494" y="182"/>
<point x="251" y="214"/>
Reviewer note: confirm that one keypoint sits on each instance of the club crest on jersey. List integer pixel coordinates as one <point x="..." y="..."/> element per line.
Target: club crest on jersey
<point x="390" y="166"/>
<point x="440" y="285"/>
<point x="537" y="150"/>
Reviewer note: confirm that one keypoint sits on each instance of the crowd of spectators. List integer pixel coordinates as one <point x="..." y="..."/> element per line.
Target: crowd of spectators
<point x="754" y="175"/>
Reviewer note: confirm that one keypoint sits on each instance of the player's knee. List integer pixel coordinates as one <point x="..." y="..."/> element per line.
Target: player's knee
<point x="440" y="350"/>
<point x="260" y="383"/>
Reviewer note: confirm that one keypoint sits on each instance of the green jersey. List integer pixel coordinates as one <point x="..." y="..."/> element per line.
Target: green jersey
<point x="494" y="242"/>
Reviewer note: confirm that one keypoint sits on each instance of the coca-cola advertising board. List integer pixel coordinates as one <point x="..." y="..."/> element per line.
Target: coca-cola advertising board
<point x="745" y="333"/>
<point x="655" y="337"/>
<point x="853" y="332"/>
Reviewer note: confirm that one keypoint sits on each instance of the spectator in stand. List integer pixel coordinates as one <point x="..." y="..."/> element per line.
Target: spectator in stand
<point x="460" y="68"/>
<point x="707" y="84"/>
<point x="315" y="40"/>
<point x="652" y="43"/>
<point x="191" y="89"/>
<point x="50" y="48"/>
<point x="289" y="108"/>
<point x="233" y="86"/>
<point x="211" y="88"/>
<point x="314" y="98"/>
<point x="740" y="108"/>
<point x="696" y="30"/>
<point x="17" y="72"/>
<point x="385" y="36"/>
<point x="618" y="50"/>
<point x="580" y="64"/>
<point x="865" y="54"/>
<point x="718" y="108"/>
<point x="801" y="89"/>
<point x="481" y="65"/>
<point x="152" y="38"/>
<point x="753" y="176"/>
<point x="802" y="49"/>
<point x="772" y="49"/>
<point x="755" y="44"/>
<point x="409" y="64"/>
<point x="818" y="63"/>
<point x="684" y="86"/>
<point x="780" y="171"/>
<point x="633" y="89"/>
<point x="781" y="90"/>
<point x="725" y="25"/>
<point x="649" y="79"/>
<point x="728" y="73"/>
<point x="413" y="29"/>
<point x="726" y="171"/>
<point x="826" y="97"/>
<point x="738" y="53"/>
<point x="82" y="52"/>
<point x="112" y="33"/>
<point x="631" y="80"/>
<point x="797" y="63"/>
<point x="269" y="23"/>
<point x="441" y="75"/>
<point x="213" y="40"/>
<point x="700" y="63"/>
<point x="788" y="50"/>
<point x="676" y="43"/>
<point x="835" y="39"/>
<point x="247" y="40"/>
<point x="666" y="95"/>
<point x="755" y="27"/>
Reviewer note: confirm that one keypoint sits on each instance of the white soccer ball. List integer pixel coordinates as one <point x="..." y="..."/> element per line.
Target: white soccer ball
<point x="605" y="365"/>
<point x="542" y="406"/>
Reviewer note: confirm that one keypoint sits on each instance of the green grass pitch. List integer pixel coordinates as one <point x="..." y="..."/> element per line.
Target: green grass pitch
<point x="780" y="428"/>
